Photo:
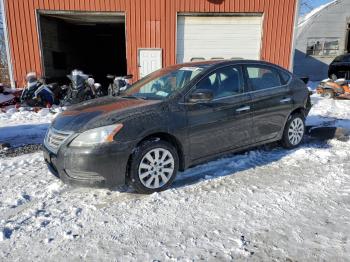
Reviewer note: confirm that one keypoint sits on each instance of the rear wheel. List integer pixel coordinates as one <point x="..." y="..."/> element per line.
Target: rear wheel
<point x="153" y="166"/>
<point x="294" y="131"/>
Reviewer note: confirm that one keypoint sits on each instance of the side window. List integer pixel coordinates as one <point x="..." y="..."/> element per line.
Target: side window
<point x="285" y="77"/>
<point x="224" y="82"/>
<point x="262" y="77"/>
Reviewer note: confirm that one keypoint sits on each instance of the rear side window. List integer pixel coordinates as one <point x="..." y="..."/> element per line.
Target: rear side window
<point x="285" y="77"/>
<point x="263" y="77"/>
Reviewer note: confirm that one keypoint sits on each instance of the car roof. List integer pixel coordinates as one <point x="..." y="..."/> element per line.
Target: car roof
<point x="218" y="63"/>
<point x="342" y="57"/>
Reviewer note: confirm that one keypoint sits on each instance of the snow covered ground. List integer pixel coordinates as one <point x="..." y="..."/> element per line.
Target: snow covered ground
<point x="24" y="127"/>
<point x="266" y="204"/>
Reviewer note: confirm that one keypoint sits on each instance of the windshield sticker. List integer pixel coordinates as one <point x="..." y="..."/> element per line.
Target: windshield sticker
<point x="191" y="69"/>
<point x="162" y="93"/>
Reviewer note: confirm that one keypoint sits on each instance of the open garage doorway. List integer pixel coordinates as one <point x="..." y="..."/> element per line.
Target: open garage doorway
<point x="92" y="42"/>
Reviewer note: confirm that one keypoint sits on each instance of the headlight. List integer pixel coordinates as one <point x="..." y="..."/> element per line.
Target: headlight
<point x="97" y="136"/>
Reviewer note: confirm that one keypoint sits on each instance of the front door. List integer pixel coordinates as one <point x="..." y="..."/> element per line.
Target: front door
<point x="272" y="101"/>
<point x="225" y="122"/>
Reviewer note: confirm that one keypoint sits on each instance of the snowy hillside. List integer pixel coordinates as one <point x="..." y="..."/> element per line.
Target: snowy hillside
<point x="265" y="204"/>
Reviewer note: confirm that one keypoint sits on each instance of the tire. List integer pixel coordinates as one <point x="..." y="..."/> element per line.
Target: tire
<point x="147" y="177"/>
<point x="328" y="94"/>
<point x="294" y="131"/>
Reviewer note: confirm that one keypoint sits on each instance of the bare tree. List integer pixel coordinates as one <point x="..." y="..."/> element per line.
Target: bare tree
<point x="4" y="73"/>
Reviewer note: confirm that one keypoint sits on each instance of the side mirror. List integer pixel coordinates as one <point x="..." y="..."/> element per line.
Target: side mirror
<point x="201" y="95"/>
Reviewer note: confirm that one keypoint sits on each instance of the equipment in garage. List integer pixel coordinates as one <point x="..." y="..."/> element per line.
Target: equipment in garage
<point x="92" y="42"/>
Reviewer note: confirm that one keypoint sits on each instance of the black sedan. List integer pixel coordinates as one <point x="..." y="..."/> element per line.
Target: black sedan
<point x="340" y="67"/>
<point x="175" y="118"/>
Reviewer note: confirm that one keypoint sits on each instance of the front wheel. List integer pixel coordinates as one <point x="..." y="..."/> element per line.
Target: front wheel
<point x="294" y="131"/>
<point x="153" y="166"/>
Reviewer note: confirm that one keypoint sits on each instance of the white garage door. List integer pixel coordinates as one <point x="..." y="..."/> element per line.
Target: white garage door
<point x="211" y="37"/>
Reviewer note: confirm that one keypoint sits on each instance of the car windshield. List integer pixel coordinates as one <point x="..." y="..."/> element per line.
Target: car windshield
<point x="163" y="83"/>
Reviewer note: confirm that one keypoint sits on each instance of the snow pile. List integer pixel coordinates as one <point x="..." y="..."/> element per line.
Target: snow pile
<point x="24" y="127"/>
<point x="23" y="116"/>
<point x="329" y="112"/>
<point x="262" y="205"/>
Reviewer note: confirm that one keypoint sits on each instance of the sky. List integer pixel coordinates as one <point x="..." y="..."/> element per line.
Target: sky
<point x="308" y="5"/>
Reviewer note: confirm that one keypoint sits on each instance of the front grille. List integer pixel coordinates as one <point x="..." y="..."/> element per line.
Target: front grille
<point x="55" y="138"/>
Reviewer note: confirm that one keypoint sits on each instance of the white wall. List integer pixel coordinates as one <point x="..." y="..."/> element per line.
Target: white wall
<point x="330" y="22"/>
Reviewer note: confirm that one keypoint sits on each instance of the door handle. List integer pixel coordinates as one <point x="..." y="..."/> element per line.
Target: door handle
<point x="243" y="109"/>
<point x="285" y="100"/>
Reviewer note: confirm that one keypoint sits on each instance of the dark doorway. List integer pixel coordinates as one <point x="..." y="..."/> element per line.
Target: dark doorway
<point x="94" y="44"/>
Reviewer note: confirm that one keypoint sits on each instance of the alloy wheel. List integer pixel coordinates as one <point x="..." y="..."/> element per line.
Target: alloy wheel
<point x="156" y="168"/>
<point x="296" y="131"/>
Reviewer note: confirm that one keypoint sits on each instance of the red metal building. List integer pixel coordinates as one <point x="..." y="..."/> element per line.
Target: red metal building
<point x="138" y="36"/>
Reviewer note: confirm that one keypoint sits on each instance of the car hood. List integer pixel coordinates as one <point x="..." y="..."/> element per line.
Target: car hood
<point x="101" y="112"/>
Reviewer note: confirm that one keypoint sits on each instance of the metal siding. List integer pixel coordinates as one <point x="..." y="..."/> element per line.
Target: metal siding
<point x="149" y="24"/>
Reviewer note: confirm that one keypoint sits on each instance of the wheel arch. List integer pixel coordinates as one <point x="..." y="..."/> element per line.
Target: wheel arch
<point x="299" y="110"/>
<point x="171" y="139"/>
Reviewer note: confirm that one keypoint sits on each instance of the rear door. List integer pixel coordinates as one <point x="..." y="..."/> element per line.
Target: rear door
<point x="225" y="122"/>
<point x="271" y="98"/>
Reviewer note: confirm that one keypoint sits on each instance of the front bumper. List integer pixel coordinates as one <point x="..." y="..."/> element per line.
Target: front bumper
<point x="102" y="166"/>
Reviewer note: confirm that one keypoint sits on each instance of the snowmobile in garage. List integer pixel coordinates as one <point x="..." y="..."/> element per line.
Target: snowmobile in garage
<point x="37" y="93"/>
<point x="9" y="96"/>
<point x="82" y="88"/>
<point x="339" y="88"/>
<point x="119" y="84"/>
